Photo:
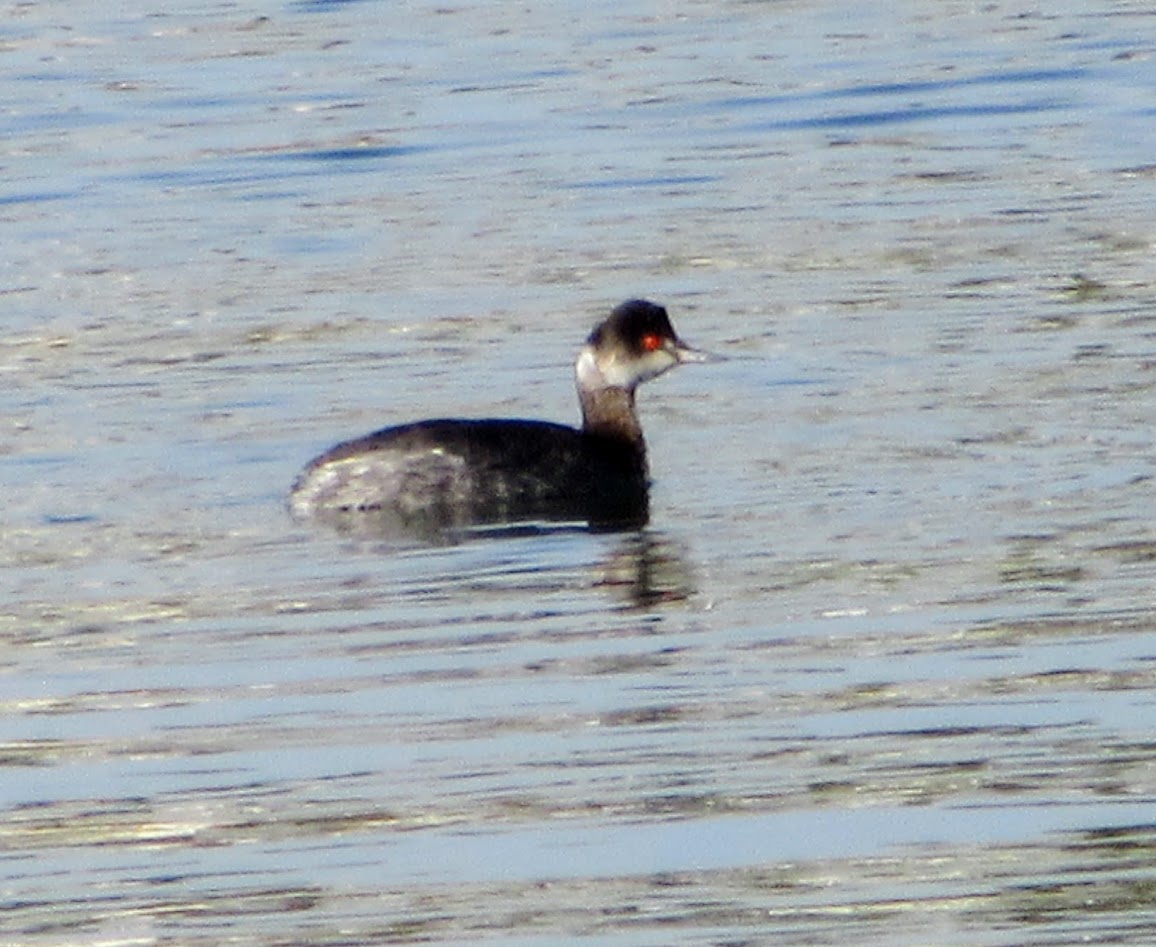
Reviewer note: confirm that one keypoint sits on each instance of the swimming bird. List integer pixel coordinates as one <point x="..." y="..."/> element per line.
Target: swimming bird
<point x="456" y="472"/>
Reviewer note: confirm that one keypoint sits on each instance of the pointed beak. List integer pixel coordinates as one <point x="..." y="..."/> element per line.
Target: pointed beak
<point x="684" y="354"/>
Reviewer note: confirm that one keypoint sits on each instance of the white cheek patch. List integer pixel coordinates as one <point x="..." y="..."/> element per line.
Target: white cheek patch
<point x="590" y="377"/>
<point x="655" y="363"/>
<point x="615" y="373"/>
<point x="619" y="374"/>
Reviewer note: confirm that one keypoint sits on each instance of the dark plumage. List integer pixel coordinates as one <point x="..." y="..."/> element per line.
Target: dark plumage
<point x="455" y="471"/>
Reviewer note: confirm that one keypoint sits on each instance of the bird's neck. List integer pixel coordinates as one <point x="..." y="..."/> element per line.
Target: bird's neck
<point x="607" y="409"/>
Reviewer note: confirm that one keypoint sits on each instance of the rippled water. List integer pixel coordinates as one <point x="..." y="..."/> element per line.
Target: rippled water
<point x="881" y="669"/>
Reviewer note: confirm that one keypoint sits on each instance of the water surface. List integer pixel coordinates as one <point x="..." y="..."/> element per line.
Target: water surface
<point x="880" y="670"/>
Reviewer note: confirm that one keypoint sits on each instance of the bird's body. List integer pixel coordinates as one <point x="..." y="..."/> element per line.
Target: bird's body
<point x="461" y="471"/>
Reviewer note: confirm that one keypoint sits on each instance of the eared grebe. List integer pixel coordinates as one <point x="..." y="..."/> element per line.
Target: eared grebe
<point x="453" y="472"/>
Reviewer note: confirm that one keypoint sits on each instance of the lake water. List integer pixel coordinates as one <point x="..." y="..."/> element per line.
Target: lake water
<point x="881" y="670"/>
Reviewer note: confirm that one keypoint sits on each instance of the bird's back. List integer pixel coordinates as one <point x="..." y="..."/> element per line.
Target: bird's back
<point x="453" y="472"/>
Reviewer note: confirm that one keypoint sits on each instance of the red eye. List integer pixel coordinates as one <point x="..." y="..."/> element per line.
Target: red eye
<point x="651" y="342"/>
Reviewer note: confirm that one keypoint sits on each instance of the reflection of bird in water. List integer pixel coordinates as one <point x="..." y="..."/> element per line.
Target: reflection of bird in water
<point x="649" y="569"/>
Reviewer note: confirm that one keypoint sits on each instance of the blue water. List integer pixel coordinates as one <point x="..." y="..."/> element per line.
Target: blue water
<point x="880" y="670"/>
